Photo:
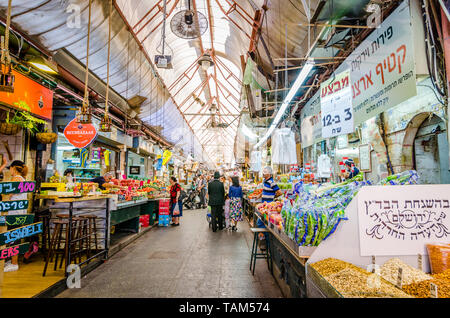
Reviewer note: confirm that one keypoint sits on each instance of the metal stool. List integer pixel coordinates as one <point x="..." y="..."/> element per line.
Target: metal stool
<point x="91" y="230"/>
<point x="267" y="254"/>
<point x="55" y="244"/>
<point x="60" y="234"/>
<point x="79" y="234"/>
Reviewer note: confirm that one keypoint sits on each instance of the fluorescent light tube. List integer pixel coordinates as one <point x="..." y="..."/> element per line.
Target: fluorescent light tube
<point x="298" y="82"/>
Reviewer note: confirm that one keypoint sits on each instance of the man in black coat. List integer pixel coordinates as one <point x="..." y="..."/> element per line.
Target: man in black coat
<point x="216" y="194"/>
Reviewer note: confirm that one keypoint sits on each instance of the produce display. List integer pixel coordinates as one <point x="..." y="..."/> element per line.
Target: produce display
<point x="354" y="282"/>
<point x="128" y="190"/>
<point x="315" y="211"/>
<point x="270" y="211"/>
<point x="255" y="194"/>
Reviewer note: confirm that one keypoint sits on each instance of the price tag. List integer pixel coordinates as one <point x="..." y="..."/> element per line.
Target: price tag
<point x="400" y="278"/>
<point x="17" y="187"/>
<point x="336" y="106"/>
<point x="419" y="262"/>
<point x="433" y="290"/>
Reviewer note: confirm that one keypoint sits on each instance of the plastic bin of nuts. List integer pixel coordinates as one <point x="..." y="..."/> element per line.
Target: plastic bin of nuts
<point x="422" y="289"/>
<point x="439" y="256"/>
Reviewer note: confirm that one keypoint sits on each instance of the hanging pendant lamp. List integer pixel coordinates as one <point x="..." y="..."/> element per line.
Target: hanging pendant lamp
<point x="6" y="77"/>
<point x="84" y="114"/>
<point x="105" y="124"/>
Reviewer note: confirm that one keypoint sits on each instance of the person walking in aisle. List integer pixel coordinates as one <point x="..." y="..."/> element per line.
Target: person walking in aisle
<point x="216" y="199"/>
<point x="236" y="196"/>
<point x="202" y="189"/>
<point x="176" y="204"/>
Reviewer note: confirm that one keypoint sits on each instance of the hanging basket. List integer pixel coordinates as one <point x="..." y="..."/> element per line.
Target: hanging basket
<point x="46" y="137"/>
<point x="9" y="129"/>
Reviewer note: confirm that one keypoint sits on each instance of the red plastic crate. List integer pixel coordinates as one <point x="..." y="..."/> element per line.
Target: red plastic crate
<point x="164" y="203"/>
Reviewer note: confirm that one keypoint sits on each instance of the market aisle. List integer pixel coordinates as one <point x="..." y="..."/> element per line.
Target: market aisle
<point x="185" y="261"/>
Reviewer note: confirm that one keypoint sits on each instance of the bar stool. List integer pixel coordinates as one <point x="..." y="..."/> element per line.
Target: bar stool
<point x="61" y="226"/>
<point x="267" y="254"/>
<point x="60" y="234"/>
<point x="91" y="230"/>
<point x="79" y="235"/>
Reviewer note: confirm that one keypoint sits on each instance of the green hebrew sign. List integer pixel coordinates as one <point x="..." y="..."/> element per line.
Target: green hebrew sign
<point x="17" y="187"/>
<point x="20" y="233"/>
<point x="13" y="205"/>
<point x="19" y="220"/>
<point x="14" y="250"/>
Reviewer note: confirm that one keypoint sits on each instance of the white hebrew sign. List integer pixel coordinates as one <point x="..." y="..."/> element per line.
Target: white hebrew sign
<point x="400" y="220"/>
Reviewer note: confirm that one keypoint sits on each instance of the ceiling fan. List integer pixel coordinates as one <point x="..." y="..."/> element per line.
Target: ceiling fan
<point x="189" y="24"/>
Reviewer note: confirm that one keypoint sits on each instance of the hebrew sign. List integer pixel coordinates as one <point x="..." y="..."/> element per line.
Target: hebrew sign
<point x="17" y="187"/>
<point x="6" y="206"/>
<point x="400" y="220"/>
<point x="14" y="250"/>
<point x="20" y="233"/>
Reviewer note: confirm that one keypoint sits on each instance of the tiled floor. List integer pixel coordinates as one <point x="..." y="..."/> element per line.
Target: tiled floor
<point x="185" y="261"/>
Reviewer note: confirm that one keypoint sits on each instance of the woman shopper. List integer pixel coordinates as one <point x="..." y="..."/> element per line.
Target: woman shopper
<point x="175" y="201"/>
<point x="235" y="194"/>
<point x="18" y="171"/>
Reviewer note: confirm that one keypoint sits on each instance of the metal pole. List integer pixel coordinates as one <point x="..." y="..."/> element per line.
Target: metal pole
<point x="69" y="256"/>
<point x="107" y="241"/>
<point x="164" y="28"/>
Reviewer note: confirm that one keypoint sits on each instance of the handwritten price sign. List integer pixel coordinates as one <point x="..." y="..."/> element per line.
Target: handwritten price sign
<point x="17" y="187"/>
<point x="20" y="233"/>
<point x="13" y="205"/>
<point x="336" y="106"/>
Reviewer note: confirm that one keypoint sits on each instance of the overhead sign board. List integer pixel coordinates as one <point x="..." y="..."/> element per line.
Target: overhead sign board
<point x="336" y="105"/>
<point x="29" y="95"/>
<point x="382" y="68"/>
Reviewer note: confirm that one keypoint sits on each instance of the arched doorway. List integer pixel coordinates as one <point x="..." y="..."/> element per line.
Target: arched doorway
<point x="430" y="151"/>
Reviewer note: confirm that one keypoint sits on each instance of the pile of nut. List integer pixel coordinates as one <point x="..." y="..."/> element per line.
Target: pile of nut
<point x="351" y="281"/>
<point x="411" y="275"/>
<point x="422" y="289"/>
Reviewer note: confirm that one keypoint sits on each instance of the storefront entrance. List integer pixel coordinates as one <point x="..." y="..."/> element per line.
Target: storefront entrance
<point x="430" y="149"/>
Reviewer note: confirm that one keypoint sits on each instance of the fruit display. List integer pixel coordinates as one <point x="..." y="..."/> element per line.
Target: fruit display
<point x="270" y="211"/>
<point x="255" y="194"/>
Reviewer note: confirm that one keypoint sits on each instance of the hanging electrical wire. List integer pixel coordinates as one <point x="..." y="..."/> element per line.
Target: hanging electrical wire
<point x="105" y="124"/>
<point x="162" y="42"/>
<point x="84" y="115"/>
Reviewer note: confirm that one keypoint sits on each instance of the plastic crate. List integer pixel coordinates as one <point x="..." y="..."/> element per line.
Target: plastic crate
<point x="164" y="203"/>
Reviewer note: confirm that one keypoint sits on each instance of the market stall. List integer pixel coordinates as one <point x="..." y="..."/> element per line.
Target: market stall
<point x="316" y="228"/>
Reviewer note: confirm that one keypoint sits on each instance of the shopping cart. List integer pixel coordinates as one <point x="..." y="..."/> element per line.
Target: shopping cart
<point x="208" y="216"/>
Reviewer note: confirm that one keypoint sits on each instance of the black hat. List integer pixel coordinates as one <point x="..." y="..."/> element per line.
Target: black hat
<point x="216" y="175"/>
<point x="16" y="163"/>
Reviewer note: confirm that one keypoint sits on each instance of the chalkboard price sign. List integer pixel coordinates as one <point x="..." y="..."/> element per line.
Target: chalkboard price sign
<point x="20" y="233"/>
<point x="14" y="250"/>
<point x="17" y="187"/>
<point x="13" y="205"/>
